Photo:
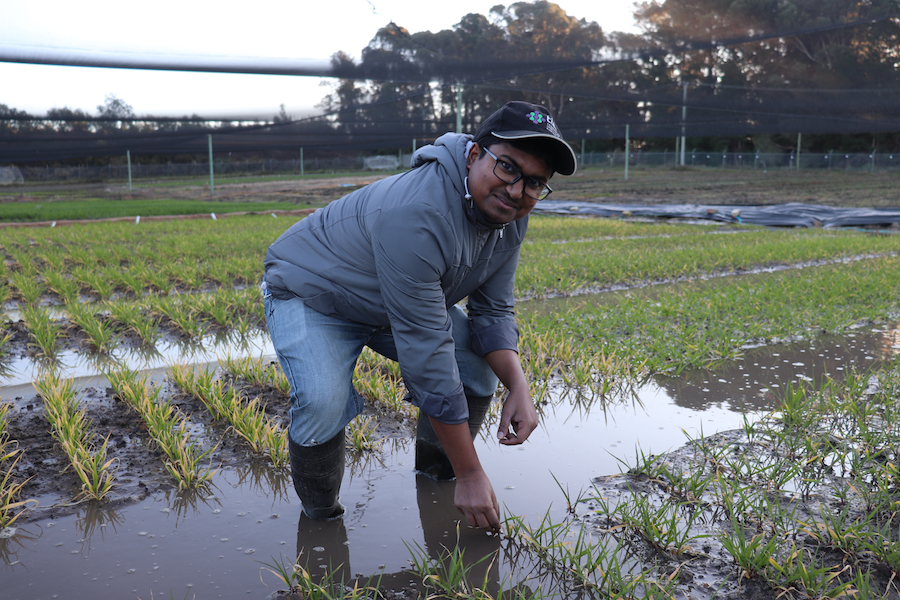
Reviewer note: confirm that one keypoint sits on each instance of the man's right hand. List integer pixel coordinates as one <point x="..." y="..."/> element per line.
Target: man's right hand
<point x="475" y="499"/>
<point x="474" y="495"/>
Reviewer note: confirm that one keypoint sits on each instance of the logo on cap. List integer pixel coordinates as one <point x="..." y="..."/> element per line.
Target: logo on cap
<point x="540" y="119"/>
<point x="535" y="117"/>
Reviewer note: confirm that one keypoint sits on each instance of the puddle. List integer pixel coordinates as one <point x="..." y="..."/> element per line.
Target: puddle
<point x="72" y="364"/>
<point x="212" y="545"/>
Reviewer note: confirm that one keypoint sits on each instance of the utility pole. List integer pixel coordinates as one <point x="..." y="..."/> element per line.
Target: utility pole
<point x="683" y="119"/>
<point x="459" y="109"/>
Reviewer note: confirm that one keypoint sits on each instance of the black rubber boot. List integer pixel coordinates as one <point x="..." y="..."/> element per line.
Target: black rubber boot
<point x="430" y="456"/>
<point x="317" y="472"/>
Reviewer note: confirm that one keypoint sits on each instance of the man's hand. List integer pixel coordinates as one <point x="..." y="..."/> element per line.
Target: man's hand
<point x="475" y="499"/>
<point x="519" y="416"/>
<point x="474" y="496"/>
<point x="517" y="419"/>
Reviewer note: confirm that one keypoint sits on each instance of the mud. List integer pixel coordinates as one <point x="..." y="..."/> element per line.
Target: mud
<point x="138" y="464"/>
<point x="705" y="569"/>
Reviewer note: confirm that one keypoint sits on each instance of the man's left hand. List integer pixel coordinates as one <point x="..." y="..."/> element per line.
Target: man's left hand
<point x="518" y="418"/>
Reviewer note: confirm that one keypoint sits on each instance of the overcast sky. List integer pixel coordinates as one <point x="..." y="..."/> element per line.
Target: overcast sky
<point x="283" y="29"/>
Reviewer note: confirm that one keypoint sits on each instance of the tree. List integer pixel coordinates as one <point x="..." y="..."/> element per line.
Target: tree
<point x="117" y="111"/>
<point x="66" y="120"/>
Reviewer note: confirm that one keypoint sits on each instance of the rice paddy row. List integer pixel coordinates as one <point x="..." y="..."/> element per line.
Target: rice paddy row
<point x="72" y="432"/>
<point x="10" y="505"/>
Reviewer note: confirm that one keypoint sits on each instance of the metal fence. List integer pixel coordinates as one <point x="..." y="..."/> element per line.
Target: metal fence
<point x="192" y="169"/>
<point x="748" y="160"/>
<point x="637" y="159"/>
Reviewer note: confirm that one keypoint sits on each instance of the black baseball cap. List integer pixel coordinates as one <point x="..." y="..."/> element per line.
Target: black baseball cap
<point x="524" y="120"/>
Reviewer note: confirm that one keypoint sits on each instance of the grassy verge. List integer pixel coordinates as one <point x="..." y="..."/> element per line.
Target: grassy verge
<point x="62" y="210"/>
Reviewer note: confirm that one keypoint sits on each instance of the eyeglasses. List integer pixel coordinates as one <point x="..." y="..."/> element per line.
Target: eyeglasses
<point x="510" y="174"/>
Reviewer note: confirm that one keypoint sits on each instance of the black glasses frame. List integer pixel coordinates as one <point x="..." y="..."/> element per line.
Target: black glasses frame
<point x="511" y="170"/>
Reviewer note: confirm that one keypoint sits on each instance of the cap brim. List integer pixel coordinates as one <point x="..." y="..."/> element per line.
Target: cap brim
<point x="565" y="156"/>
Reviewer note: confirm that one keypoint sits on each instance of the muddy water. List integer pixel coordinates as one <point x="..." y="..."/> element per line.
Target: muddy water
<point x="212" y="544"/>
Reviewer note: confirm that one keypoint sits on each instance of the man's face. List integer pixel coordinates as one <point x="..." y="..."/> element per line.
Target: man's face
<point x="502" y="202"/>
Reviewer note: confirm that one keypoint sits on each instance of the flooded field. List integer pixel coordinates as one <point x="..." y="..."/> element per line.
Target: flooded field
<point x="154" y="344"/>
<point x="212" y="542"/>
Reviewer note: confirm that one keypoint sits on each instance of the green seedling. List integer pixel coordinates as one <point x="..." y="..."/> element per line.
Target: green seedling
<point x="43" y="332"/>
<point x="180" y="314"/>
<point x="136" y="318"/>
<point x="248" y="419"/>
<point x="71" y="430"/>
<point x="94" y="281"/>
<point x="65" y="287"/>
<point x="301" y="582"/>
<point x="168" y="430"/>
<point x="99" y="332"/>
<point x="361" y="434"/>
<point x="450" y="575"/>
<point x="27" y="286"/>
<point x="752" y="554"/>
<point x="10" y="507"/>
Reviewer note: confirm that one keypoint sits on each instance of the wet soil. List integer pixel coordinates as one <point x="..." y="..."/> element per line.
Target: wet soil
<point x="704" y="568"/>
<point x="138" y="464"/>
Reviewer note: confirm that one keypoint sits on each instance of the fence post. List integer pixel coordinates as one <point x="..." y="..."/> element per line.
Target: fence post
<point x="799" y="139"/>
<point x="873" y="160"/>
<point x="212" y="183"/>
<point x="627" y="149"/>
<point x="128" y="156"/>
<point x="301" y="161"/>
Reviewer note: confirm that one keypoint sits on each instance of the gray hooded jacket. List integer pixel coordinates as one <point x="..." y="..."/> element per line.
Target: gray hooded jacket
<point x="397" y="253"/>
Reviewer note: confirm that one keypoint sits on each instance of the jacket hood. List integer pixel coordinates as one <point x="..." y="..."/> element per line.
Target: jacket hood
<point x="449" y="151"/>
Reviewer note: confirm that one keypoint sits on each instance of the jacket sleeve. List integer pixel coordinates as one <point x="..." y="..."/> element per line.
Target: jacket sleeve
<point x="412" y="252"/>
<point x="490" y="308"/>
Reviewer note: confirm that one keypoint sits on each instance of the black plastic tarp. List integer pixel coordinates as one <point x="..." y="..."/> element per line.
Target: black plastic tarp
<point x="793" y="214"/>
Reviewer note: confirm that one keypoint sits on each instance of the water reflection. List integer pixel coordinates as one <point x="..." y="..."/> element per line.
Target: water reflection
<point x="16" y="539"/>
<point x="94" y="517"/>
<point x="172" y="350"/>
<point x="194" y="501"/>
<point x="263" y="477"/>
<point x="755" y="381"/>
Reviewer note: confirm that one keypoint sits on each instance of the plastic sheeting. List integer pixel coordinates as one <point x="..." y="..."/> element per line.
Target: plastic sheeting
<point x="778" y="215"/>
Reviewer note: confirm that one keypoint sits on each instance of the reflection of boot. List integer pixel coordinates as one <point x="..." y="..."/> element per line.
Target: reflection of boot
<point x="323" y="550"/>
<point x="430" y="456"/>
<point x="317" y="472"/>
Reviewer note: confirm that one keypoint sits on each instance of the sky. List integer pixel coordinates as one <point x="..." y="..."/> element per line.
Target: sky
<point x="301" y="30"/>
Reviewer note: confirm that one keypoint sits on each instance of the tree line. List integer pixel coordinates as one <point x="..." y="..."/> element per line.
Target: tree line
<point x="727" y="74"/>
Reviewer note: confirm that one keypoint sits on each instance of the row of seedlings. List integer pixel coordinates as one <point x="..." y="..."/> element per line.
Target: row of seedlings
<point x="236" y="311"/>
<point x="71" y="429"/>
<point x="10" y="505"/>
<point x="375" y="378"/>
<point x="167" y="428"/>
<point x="248" y="419"/>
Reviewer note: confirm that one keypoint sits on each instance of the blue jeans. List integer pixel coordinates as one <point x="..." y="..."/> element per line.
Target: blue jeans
<point x="318" y="355"/>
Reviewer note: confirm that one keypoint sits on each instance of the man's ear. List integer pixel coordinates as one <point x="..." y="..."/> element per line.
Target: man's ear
<point x="474" y="151"/>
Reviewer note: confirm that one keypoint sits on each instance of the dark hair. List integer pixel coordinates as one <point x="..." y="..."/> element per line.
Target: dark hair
<point x="536" y="147"/>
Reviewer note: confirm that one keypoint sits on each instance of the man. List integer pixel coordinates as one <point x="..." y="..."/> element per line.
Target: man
<point x="384" y="267"/>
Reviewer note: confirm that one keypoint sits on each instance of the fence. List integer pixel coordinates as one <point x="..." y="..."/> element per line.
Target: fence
<point x="193" y="169"/>
<point x="750" y="160"/>
<point x="637" y="159"/>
